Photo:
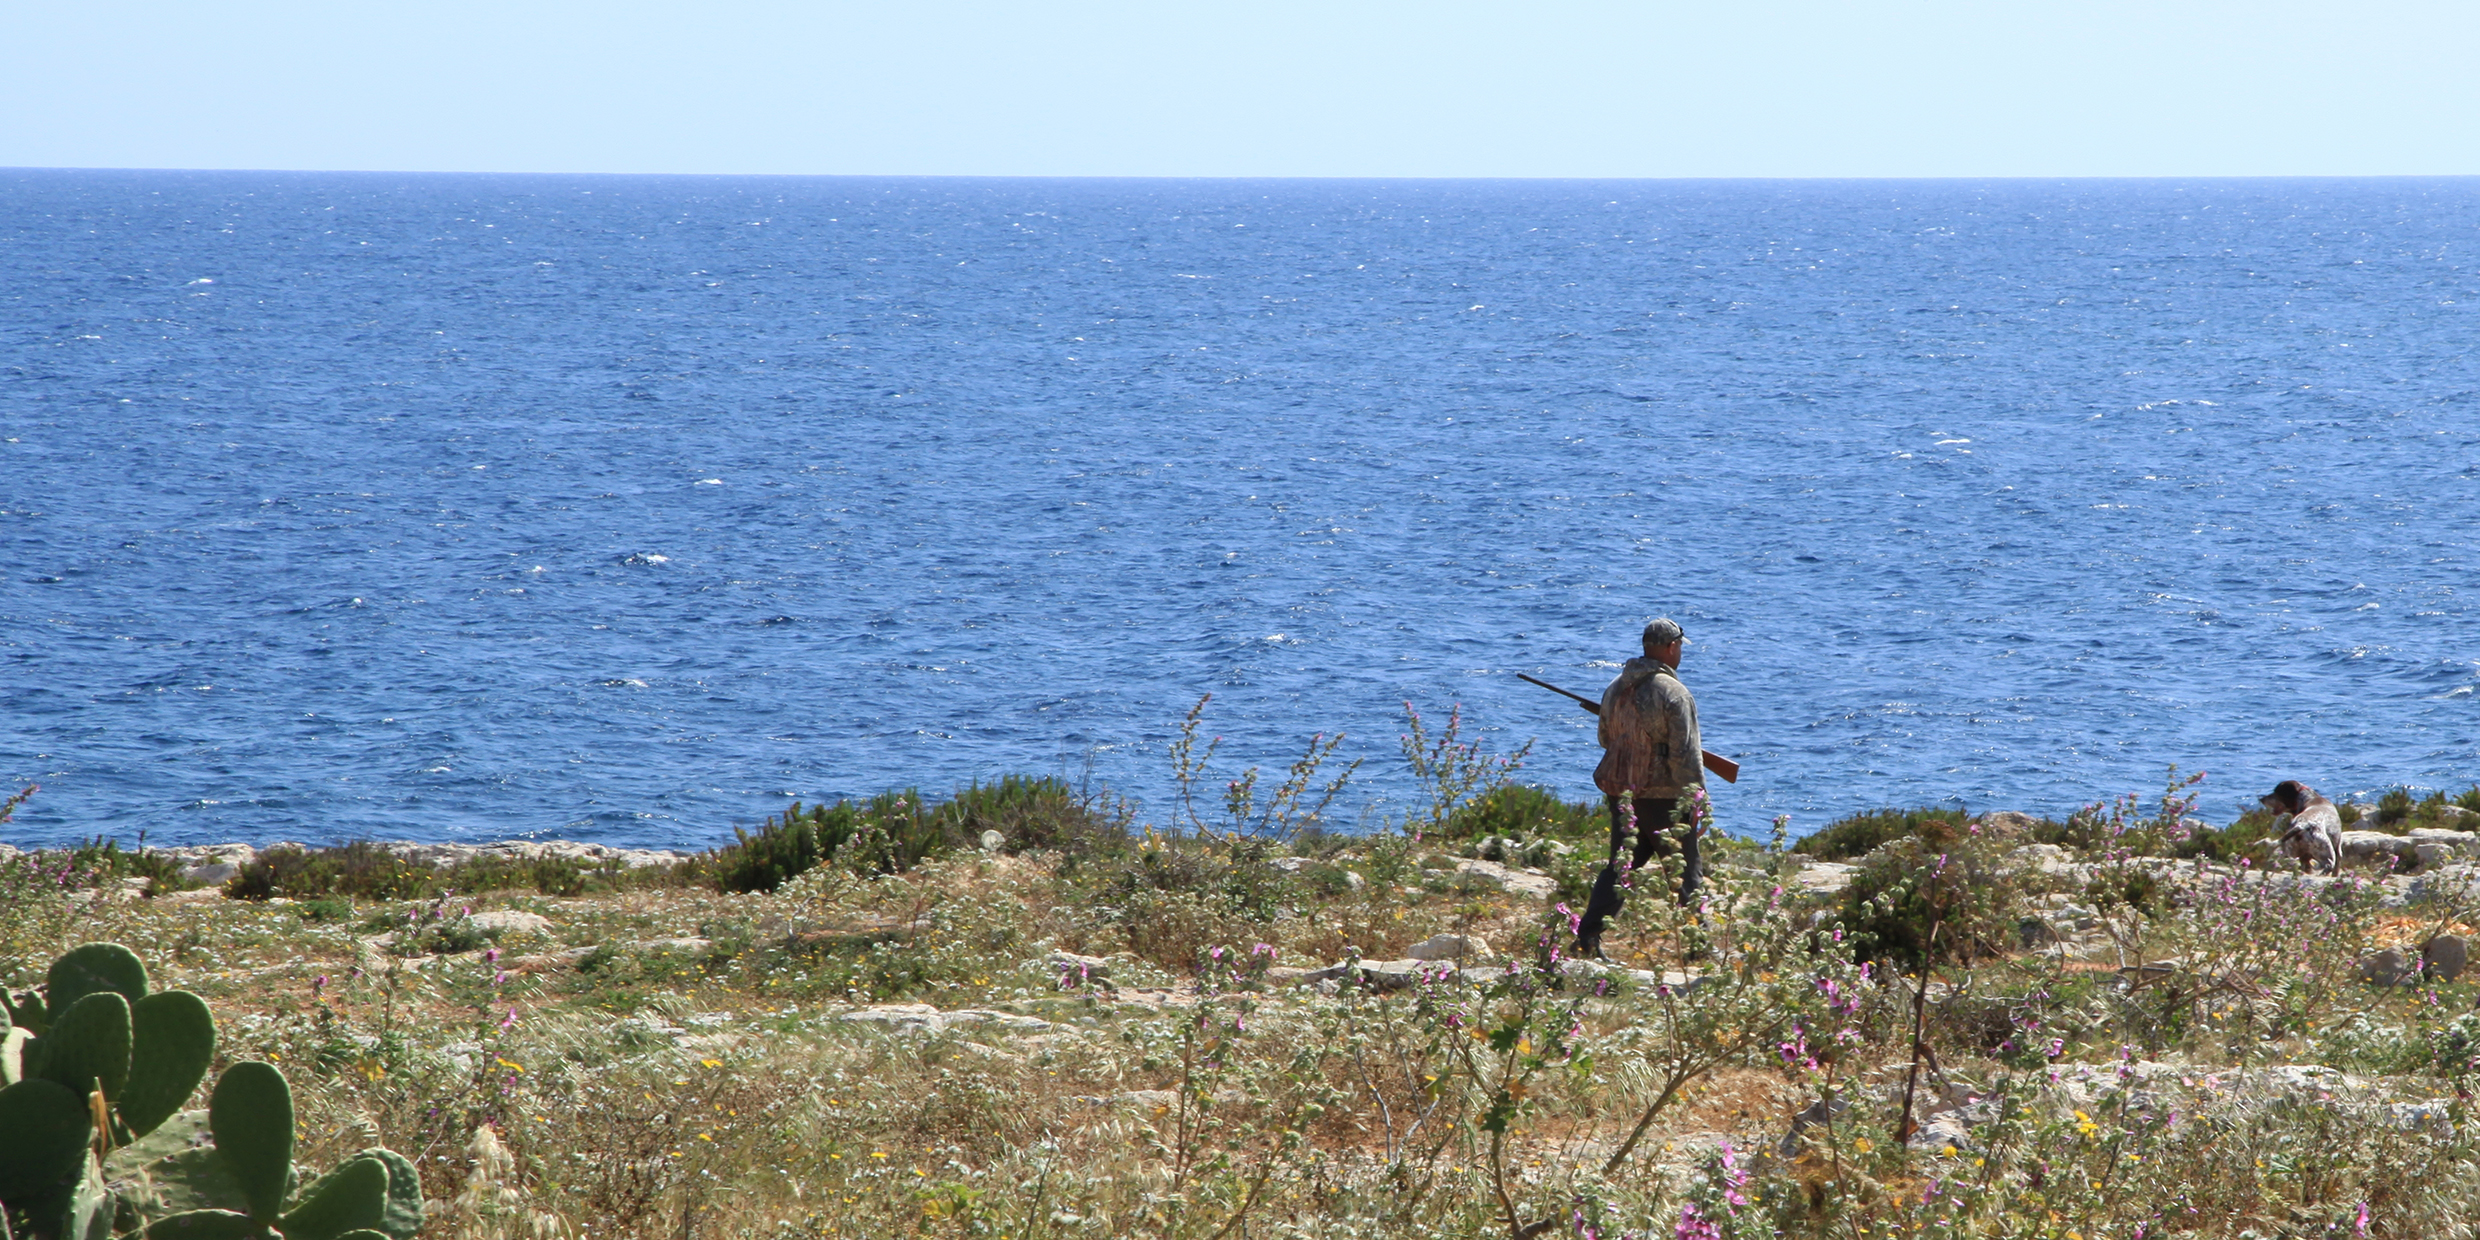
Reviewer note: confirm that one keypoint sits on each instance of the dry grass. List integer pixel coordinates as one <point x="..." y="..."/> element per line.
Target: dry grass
<point x="697" y="1074"/>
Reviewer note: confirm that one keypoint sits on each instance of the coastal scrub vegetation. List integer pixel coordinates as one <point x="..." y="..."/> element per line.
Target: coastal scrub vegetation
<point x="1034" y="1010"/>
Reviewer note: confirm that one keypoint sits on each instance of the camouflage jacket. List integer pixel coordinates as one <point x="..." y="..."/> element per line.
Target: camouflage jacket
<point x="1649" y="738"/>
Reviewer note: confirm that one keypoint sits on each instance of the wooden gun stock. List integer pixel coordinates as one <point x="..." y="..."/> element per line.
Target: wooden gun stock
<point x="1719" y="765"/>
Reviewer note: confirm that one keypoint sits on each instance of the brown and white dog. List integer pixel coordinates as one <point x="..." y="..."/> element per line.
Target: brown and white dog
<point x="2310" y="826"/>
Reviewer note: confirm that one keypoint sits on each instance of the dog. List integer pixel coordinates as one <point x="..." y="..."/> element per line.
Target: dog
<point x="2310" y="827"/>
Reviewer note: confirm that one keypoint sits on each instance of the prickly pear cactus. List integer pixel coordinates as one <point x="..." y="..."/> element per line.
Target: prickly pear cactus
<point x="251" y="1114"/>
<point x="47" y="1170"/>
<point x="172" y="1044"/>
<point x="91" y="969"/>
<point x="240" y="1185"/>
<point x="48" y="1128"/>
<point x="87" y="1048"/>
<point x="99" y="1028"/>
<point x="97" y="1047"/>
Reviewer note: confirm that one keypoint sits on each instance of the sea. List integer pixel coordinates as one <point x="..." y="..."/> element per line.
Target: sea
<point x="632" y="509"/>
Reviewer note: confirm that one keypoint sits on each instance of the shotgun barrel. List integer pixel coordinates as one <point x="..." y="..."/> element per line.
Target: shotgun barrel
<point x="1719" y="765"/>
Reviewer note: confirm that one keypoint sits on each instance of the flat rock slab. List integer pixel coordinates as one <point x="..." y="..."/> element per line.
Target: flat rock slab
<point x="548" y="962"/>
<point x="510" y="921"/>
<point x="1823" y="878"/>
<point x="1648" y="981"/>
<point x="1379" y="974"/>
<point x="923" y="1018"/>
<point x="2423" y="848"/>
<point x="441" y="856"/>
<point x="677" y="947"/>
<point x="1076" y="970"/>
<point x="1512" y="880"/>
<point x="1450" y="947"/>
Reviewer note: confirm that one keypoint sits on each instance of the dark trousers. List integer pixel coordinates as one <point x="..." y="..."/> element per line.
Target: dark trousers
<point x="1656" y="836"/>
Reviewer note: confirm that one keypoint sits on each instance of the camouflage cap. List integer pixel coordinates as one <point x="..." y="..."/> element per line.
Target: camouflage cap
<point x="1662" y="632"/>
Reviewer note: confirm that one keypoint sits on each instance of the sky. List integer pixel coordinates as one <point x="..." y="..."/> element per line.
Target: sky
<point x="1801" y="88"/>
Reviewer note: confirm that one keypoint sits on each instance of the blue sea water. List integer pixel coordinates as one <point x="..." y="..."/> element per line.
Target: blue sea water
<point x="627" y="509"/>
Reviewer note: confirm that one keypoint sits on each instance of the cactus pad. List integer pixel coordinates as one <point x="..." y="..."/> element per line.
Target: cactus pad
<point x="94" y="967"/>
<point x="251" y="1114"/>
<point x="173" y="1043"/>
<point x="206" y="1225"/>
<point x="352" y="1197"/>
<point x="87" y="1047"/>
<point x="47" y="1128"/>
<point x="403" y="1216"/>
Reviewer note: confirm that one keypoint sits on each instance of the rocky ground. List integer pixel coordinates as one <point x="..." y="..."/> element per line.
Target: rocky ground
<point x="1371" y="1037"/>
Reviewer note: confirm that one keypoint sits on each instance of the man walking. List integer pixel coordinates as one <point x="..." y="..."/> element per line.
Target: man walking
<point x="1651" y="757"/>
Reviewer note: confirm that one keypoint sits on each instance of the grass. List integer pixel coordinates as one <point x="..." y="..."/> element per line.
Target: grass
<point x="670" y="1056"/>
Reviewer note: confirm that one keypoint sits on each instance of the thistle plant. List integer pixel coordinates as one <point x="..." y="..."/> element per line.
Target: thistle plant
<point x="1297" y="804"/>
<point x="1450" y="769"/>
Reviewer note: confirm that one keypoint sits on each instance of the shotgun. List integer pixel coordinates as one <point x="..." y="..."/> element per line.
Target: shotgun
<point x="1719" y="765"/>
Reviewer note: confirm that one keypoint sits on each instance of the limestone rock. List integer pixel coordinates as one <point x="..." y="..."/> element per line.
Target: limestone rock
<point x="899" y="1017"/>
<point x="1380" y="974"/>
<point x="1004" y="1022"/>
<point x="1075" y="970"/>
<point x="2424" y="848"/>
<point x="2046" y="858"/>
<point x="1450" y="947"/>
<point x="1815" y="1113"/>
<point x="2443" y="957"/>
<point x="548" y="962"/>
<point x="500" y="921"/>
<point x="2386" y="968"/>
<point x="677" y="947"/>
<point x="2458" y="845"/>
<point x="2008" y="824"/>
<point x="1825" y="878"/>
<point x="212" y="864"/>
<point x="1512" y="881"/>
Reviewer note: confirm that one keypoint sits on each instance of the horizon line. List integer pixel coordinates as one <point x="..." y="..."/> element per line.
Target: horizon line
<point x="1236" y="177"/>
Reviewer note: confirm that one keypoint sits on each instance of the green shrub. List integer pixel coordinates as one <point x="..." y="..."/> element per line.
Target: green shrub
<point x="2394" y="809"/>
<point x="106" y="859"/>
<point x="895" y="831"/>
<point x="1936" y="894"/>
<point x="551" y="876"/>
<point x="1861" y="833"/>
<point x="1233" y="871"/>
<point x="326" y="908"/>
<point x="1030" y="814"/>
<point x="782" y="849"/>
<point x="1526" y="811"/>
<point x="2229" y="844"/>
<point x="361" y="869"/>
<point x="887" y="834"/>
<point x="2431" y="810"/>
